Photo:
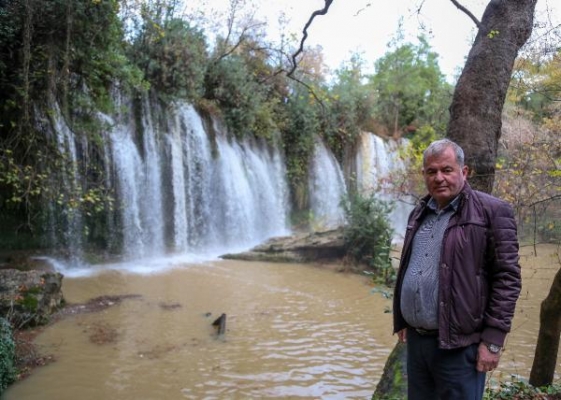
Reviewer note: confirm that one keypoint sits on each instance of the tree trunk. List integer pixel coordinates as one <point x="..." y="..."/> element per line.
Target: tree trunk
<point x="547" y="348"/>
<point x="477" y="104"/>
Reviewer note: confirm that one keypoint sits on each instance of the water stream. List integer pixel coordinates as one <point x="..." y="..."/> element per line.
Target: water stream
<point x="293" y="332"/>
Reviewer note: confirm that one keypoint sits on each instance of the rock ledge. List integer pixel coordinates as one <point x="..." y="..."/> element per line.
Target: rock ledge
<point x="299" y="248"/>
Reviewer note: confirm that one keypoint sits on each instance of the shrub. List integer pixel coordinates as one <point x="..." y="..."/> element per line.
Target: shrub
<point x="173" y="57"/>
<point x="368" y="234"/>
<point x="7" y="355"/>
<point x="517" y="389"/>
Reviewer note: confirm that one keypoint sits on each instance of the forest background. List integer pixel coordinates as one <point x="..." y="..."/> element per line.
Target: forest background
<point x="56" y="51"/>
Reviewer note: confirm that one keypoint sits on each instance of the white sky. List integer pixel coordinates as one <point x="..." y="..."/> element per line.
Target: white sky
<point x="367" y="26"/>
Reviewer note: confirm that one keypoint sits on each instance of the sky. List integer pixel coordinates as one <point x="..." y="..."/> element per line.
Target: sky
<point x="367" y="26"/>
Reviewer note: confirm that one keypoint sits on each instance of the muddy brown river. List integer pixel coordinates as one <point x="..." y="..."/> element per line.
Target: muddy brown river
<point x="292" y="332"/>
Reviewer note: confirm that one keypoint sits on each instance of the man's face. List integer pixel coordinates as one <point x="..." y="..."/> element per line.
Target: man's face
<point x="443" y="177"/>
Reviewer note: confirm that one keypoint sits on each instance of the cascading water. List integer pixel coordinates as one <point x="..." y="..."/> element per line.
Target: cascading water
<point x="68" y="220"/>
<point x="178" y="191"/>
<point x="327" y="188"/>
<point x="152" y="202"/>
<point x="130" y="188"/>
<point x="376" y="161"/>
<point x="250" y="193"/>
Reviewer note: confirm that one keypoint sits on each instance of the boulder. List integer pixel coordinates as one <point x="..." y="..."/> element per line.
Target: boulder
<point x="299" y="248"/>
<point x="28" y="298"/>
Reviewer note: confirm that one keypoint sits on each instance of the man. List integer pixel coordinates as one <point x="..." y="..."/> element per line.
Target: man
<point x="458" y="281"/>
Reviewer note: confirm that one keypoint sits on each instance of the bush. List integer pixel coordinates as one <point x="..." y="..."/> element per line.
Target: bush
<point x="173" y="57"/>
<point x="517" y="389"/>
<point x="368" y="235"/>
<point x="7" y="355"/>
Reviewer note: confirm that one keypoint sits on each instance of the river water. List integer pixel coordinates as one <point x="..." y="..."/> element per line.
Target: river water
<point x="293" y="332"/>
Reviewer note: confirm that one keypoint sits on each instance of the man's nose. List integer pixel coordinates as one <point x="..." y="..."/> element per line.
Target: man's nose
<point x="439" y="177"/>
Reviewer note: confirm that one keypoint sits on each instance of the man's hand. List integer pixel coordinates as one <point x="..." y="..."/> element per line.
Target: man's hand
<point x="402" y="335"/>
<point x="486" y="361"/>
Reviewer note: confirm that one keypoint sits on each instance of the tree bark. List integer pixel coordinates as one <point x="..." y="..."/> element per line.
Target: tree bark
<point x="545" y="359"/>
<point x="477" y="104"/>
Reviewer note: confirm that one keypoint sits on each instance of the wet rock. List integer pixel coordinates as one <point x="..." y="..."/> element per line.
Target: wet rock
<point x="393" y="384"/>
<point x="28" y="298"/>
<point x="300" y="248"/>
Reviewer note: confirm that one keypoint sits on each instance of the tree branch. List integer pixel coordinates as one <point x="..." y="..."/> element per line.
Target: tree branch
<point x="323" y="11"/>
<point x="467" y="12"/>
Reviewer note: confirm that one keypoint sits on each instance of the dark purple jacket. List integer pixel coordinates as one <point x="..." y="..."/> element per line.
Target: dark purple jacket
<point x="479" y="274"/>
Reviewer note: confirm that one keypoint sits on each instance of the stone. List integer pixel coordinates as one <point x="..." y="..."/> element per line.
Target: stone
<point x="393" y="384"/>
<point x="28" y="298"/>
<point x="299" y="248"/>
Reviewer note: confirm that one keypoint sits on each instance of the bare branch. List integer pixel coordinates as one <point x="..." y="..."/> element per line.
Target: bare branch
<point x="535" y="203"/>
<point x="467" y="12"/>
<point x="241" y="40"/>
<point x="323" y="11"/>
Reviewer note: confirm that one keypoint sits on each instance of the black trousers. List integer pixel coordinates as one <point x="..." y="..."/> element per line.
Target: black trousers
<point x="436" y="374"/>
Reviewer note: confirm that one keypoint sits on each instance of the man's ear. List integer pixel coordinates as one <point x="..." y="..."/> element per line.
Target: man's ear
<point x="466" y="171"/>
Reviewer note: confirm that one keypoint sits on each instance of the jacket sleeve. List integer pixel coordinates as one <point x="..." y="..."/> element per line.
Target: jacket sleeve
<point x="504" y="276"/>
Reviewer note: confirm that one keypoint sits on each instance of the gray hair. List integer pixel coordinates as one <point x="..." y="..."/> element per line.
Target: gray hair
<point x="438" y="147"/>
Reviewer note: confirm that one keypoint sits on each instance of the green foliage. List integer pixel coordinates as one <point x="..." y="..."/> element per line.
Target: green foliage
<point x="242" y="84"/>
<point x="535" y="85"/>
<point x="302" y="123"/>
<point x="351" y="106"/>
<point x="172" y="55"/>
<point x="410" y="180"/>
<point x="368" y="234"/>
<point x="7" y="355"/>
<point x="516" y="389"/>
<point x="410" y="89"/>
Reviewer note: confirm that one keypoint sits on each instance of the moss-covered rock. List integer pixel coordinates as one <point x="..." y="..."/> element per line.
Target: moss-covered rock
<point x="393" y="385"/>
<point x="28" y="298"/>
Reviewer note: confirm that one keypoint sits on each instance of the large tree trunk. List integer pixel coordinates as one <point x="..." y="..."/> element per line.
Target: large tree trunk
<point x="545" y="358"/>
<point x="476" y="110"/>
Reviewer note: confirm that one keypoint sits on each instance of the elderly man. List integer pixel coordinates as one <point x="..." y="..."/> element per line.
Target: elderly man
<point x="458" y="281"/>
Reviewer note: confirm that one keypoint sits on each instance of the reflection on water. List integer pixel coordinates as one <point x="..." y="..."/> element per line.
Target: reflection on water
<point x="293" y="331"/>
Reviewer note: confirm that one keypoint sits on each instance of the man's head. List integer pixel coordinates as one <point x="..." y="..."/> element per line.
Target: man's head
<point x="444" y="170"/>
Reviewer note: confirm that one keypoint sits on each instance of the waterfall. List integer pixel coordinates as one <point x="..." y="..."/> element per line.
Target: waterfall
<point x="191" y="171"/>
<point x="250" y="195"/>
<point x="129" y="170"/>
<point x="178" y="189"/>
<point x="65" y="214"/>
<point x="183" y="187"/>
<point x="327" y="188"/>
<point x="152" y="201"/>
<point x="376" y="161"/>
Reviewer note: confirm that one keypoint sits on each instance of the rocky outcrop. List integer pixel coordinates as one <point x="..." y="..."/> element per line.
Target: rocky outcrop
<point x="28" y="298"/>
<point x="300" y="248"/>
